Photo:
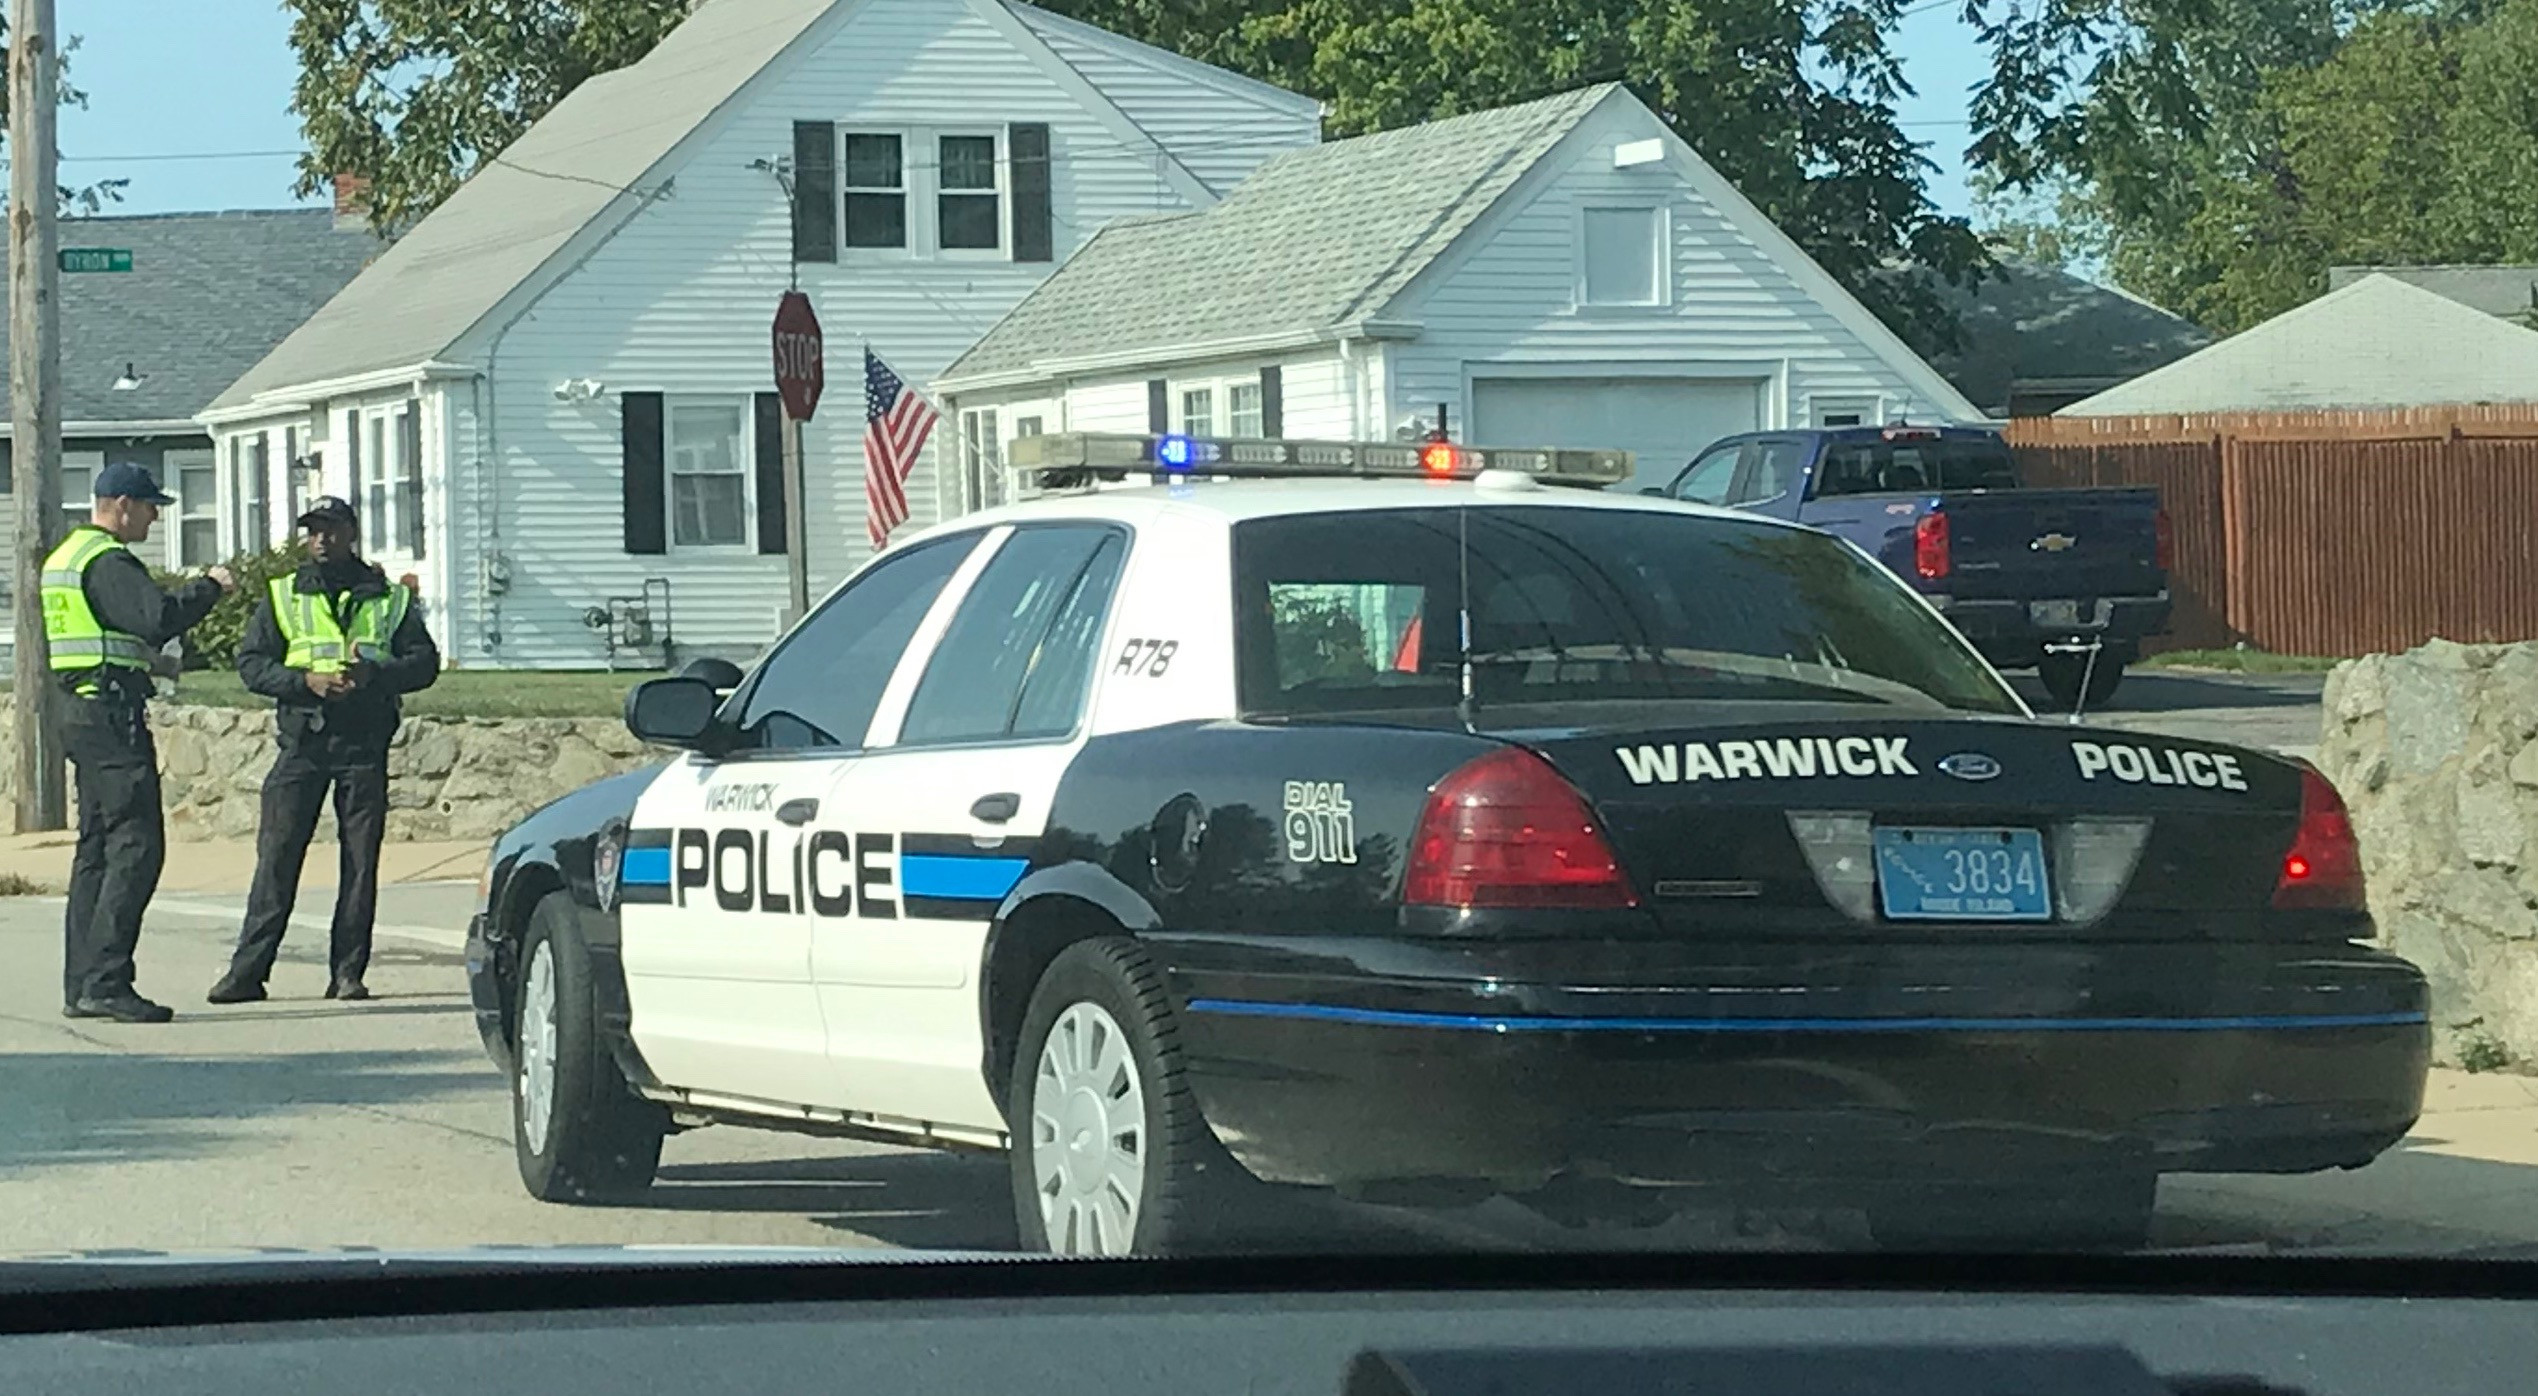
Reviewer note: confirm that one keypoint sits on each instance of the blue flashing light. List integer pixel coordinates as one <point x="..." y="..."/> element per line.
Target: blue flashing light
<point x="1174" y="452"/>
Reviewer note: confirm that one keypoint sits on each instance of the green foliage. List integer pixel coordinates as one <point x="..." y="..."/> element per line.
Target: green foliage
<point x="414" y="95"/>
<point x="214" y="643"/>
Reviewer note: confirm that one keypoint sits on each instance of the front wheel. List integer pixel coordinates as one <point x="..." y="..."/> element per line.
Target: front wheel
<point x="2063" y="676"/>
<point x="581" y="1134"/>
<point x="1110" y="1154"/>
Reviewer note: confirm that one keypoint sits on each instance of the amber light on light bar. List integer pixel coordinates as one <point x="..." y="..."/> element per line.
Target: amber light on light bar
<point x="1242" y="458"/>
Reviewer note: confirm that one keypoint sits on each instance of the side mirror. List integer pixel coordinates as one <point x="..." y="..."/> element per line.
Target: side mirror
<point x="676" y="711"/>
<point x="720" y="674"/>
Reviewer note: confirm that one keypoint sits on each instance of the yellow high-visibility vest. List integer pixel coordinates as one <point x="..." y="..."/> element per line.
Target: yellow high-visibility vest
<point x="317" y="643"/>
<point x="74" y="638"/>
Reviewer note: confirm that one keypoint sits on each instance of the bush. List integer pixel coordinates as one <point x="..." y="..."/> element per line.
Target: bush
<point x="214" y="643"/>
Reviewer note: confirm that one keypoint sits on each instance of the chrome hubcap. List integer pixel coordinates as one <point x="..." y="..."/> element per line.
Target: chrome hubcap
<point x="537" y="1049"/>
<point x="1088" y="1135"/>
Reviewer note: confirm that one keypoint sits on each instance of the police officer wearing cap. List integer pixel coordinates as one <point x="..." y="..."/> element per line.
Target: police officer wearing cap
<point x="104" y="621"/>
<point x="335" y="645"/>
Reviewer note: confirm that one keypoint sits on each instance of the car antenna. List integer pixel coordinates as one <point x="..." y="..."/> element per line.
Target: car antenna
<point x="1468" y="706"/>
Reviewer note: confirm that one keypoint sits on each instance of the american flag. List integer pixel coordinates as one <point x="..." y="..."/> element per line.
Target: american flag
<point x="896" y="422"/>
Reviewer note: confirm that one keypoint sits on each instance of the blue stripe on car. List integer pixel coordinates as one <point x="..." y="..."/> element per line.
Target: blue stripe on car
<point x="645" y="867"/>
<point x="957" y="878"/>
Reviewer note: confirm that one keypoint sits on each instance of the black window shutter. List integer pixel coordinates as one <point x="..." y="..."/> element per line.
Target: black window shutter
<point x="770" y="474"/>
<point x="814" y="191"/>
<point x="646" y="514"/>
<point x="1027" y="146"/>
<point x="1273" y="407"/>
<point x="1158" y="406"/>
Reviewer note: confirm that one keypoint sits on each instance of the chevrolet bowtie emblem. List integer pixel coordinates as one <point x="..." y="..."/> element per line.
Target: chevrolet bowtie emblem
<point x="2052" y="542"/>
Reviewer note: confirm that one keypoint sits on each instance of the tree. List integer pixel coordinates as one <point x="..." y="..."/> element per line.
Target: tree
<point x="74" y="200"/>
<point x="414" y="95"/>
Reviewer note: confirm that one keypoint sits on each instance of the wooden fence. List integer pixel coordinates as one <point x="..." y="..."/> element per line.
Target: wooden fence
<point x="2336" y="533"/>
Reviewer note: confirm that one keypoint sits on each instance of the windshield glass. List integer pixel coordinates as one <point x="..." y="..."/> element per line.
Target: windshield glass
<point x="1902" y="466"/>
<point x="1350" y="612"/>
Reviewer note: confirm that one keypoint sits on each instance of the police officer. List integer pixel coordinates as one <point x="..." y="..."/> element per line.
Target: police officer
<point x="104" y="621"/>
<point x="335" y="646"/>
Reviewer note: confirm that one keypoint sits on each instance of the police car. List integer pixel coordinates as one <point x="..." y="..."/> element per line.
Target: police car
<point x="1421" y="824"/>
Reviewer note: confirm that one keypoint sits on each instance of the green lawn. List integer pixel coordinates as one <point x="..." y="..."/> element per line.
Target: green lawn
<point x="2242" y="661"/>
<point x="460" y="693"/>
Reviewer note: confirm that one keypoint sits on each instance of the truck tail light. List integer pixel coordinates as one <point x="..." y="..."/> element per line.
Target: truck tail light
<point x="2163" y="546"/>
<point x="1506" y="830"/>
<point x="2322" y="870"/>
<point x="1930" y="547"/>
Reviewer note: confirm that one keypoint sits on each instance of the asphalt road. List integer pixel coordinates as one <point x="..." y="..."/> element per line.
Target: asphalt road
<point x="305" y="1124"/>
<point x="2277" y="712"/>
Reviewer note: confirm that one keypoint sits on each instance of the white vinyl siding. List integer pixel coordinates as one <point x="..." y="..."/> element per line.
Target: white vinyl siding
<point x="1221" y="128"/>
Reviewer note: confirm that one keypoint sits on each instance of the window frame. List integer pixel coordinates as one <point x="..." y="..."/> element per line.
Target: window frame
<point x="190" y="512"/>
<point x="999" y="165"/>
<point x="407" y="486"/>
<point x="848" y="190"/>
<point x="981" y="469"/>
<point x="371" y="425"/>
<point x="1184" y="420"/>
<point x="1109" y="529"/>
<point x="1221" y="410"/>
<point x="78" y="506"/>
<point x="744" y="465"/>
<point x="1869" y="408"/>
<point x="1661" y="277"/>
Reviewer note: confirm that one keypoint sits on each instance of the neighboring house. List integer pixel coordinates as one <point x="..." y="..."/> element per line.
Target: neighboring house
<point x="1563" y="272"/>
<point x="2033" y="339"/>
<point x="550" y="395"/>
<point x="2378" y="342"/>
<point x="143" y="350"/>
<point x="2506" y="292"/>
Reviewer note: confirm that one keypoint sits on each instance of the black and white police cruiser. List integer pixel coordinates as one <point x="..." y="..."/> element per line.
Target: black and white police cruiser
<point x="1422" y="824"/>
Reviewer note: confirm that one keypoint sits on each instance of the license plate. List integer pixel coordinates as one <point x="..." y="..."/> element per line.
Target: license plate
<point x="1962" y="875"/>
<point x="2070" y="613"/>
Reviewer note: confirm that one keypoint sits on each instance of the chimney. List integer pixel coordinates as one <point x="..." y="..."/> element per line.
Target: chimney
<point x="352" y="202"/>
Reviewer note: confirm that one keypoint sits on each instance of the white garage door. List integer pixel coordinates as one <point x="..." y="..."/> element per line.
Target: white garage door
<point x="1664" y="420"/>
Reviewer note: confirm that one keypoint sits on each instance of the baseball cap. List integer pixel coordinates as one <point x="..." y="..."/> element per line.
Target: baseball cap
<point x="331" y="509"/>
<point x="124" y="480"/>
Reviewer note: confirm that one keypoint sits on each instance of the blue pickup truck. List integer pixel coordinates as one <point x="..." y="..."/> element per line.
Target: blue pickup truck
<point x="2030" y="576"/>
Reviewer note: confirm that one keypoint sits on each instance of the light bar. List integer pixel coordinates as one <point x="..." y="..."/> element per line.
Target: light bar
<point x="1118" y="455"/>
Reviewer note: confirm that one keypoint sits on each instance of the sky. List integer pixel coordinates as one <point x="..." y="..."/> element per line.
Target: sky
<point x="190" y="100"/>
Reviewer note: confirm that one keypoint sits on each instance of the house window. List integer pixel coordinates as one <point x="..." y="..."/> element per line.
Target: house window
<point x="969" y="210"/>
<point x="198" y="512"/>
<point x="1843" y="411"/>
<point x="293" y="490"/>
<point x="709" y="482"/>
<point x="79" y="486"/>
<point x="1242" y="409"/>
<point x="374" y="480"/>
<point x="982" y="457"/>
<point x="1026" y="426"/>
<point x="1198" y="411"/>
<point x="1623" y="252"/>
<point x="876" y="185"/>
<point x="410" y="480"/>
<point x="258" y="534"/>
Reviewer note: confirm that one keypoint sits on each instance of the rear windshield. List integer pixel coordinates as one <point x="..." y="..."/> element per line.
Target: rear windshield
<point x="1354" y="612"/>
<point x="1901" y="467"/>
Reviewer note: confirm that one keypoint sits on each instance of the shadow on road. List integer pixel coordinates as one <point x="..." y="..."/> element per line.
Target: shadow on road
<point x="68" y="1109"/>
<point x="937" y="1201"/>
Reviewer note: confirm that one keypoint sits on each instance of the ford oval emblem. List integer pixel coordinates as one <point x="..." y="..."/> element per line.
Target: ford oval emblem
<point x="1970" y="765"/>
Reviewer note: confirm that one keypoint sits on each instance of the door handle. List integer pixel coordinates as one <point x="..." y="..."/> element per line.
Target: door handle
<point x="996" y="808"/>
<point x="798" y="812"/>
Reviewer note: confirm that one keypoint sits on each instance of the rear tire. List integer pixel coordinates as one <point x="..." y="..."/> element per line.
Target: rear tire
<point x="580" y="1132"/>
<point x="2062" y="674"/>
<point x="1110" y="1154"/>
<point x="2087" y="1213"/>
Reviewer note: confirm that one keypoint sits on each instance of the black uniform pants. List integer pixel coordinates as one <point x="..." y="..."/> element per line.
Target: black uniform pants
<point x="295" y="792"/>
<point x="122" y="843"/>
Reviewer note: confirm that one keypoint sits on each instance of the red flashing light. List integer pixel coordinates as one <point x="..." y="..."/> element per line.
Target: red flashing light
<point x="1506" y="830"/>
<point x="1437" y="458"/>
<point x="1930" y="547"/>
<point x="2322" y="870"/>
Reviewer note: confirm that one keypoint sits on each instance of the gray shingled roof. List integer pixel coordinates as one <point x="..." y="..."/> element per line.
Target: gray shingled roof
<point x="2034" y="324"/>
<point x="1313" y="239"/>
<point x="207" y="296"/>
<point x="503" y="224"/>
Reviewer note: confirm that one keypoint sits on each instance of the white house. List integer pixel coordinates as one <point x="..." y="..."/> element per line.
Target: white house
<point x="1564" y="272"/>
<point x="549" y="397"/>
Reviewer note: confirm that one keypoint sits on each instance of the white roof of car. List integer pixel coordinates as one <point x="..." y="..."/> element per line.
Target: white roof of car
<point x="1227" y="502"/>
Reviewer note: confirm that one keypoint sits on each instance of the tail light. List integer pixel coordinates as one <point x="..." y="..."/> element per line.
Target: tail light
<point x="1930" y="547"/>
<point x="2322" y="870"/>
<point x="2163" y="546"/>
<point x="1505" y="830"/>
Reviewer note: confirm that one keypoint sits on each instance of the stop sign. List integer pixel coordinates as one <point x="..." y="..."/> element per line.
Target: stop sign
<point x="798" y="373"/>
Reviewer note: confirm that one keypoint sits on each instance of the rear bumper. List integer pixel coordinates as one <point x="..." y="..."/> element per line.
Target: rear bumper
<point x="1893" y="1065"/>
<point x="2010" y="627"/>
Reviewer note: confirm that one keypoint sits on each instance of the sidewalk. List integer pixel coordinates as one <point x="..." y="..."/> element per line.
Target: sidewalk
<point x="225" y="865"/>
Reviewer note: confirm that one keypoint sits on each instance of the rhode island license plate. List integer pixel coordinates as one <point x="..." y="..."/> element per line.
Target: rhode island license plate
<point x="1962" y="875"/>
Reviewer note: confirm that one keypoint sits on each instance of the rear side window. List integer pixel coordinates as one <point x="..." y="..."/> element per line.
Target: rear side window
<point x="1907" y="466"/>
<point x="1363" y="612"/>
<point x="1024" y="620"/>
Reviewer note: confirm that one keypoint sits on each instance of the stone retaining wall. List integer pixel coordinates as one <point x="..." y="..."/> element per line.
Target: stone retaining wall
<point x="2436" y="751"/>
<point x="448" y="777"/>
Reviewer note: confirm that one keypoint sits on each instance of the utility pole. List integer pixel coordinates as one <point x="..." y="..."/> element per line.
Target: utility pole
<point x="35" y="407"/>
